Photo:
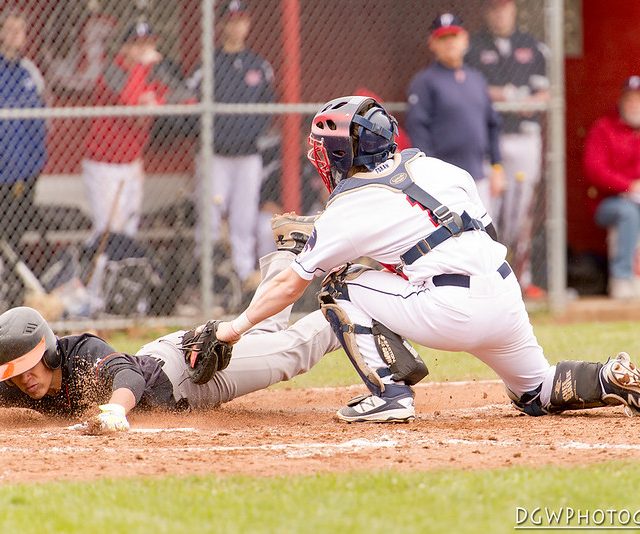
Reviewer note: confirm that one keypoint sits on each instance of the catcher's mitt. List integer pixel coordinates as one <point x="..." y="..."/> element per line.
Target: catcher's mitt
<point x="204" y="353"/>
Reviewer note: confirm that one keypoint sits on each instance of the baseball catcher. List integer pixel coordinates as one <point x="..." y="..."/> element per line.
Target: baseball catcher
<point x="204" y="353"/>
<point x="424" y="219"/>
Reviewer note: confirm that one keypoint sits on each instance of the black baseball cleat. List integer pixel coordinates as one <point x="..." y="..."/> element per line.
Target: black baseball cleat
<point x="620" y="381"/>
<point x="291" y="232"/>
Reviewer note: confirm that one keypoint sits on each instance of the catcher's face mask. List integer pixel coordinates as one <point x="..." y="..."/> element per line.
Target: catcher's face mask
<point x="319" y="158"/>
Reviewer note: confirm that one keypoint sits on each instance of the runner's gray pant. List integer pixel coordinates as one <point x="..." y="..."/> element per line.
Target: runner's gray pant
<point x="272" y="351"/>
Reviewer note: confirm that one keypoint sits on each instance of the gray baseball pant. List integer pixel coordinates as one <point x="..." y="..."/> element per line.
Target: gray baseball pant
<point x="272" y="351"/>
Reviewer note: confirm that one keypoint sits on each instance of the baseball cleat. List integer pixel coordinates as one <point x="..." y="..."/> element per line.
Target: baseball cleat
<point x="620" y="381"/>
<point x="372" y="409"/>
<point x="291" y="232"/>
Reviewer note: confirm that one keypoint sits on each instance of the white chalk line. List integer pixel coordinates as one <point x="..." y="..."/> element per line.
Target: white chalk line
<point x="307" y="449"/>
<point x="426" y="385"/>
<point x="568" y="445"/>
<point x="292" y="450"/>
<point x="83" y="426"/>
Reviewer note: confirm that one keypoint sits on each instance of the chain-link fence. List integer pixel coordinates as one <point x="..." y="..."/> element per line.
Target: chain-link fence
<point x="145" y="145"/>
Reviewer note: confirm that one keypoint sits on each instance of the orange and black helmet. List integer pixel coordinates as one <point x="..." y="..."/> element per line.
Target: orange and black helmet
<point x="25" y="339"/>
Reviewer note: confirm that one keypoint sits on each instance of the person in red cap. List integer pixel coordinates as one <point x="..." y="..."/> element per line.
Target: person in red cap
<point x="612" y="168"/>
<point x="450" y="115"/>
<point x="514" y="64"/>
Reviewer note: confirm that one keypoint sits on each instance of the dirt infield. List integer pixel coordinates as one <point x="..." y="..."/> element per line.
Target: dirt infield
<point x="279" y="432"/>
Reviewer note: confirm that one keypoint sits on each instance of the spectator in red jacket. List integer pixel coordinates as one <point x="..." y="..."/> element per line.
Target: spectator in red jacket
<point x="612" y="167"/>
<point x="112" y="170"/>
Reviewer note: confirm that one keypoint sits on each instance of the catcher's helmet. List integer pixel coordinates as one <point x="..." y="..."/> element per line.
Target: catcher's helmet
<point x="25" y="339"/>
<point x="350" y="131"/>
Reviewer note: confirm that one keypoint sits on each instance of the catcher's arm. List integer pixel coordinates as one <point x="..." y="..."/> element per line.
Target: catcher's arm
<point x="283" y="290"/>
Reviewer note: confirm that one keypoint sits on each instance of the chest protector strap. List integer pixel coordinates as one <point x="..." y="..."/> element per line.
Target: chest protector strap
<point x="451" y="224"/>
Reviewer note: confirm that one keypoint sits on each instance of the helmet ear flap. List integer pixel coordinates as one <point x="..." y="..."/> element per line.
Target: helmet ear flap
<point x="52" y="358"/>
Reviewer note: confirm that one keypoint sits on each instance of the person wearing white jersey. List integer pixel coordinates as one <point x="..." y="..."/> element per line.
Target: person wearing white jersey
<point x="451" y="288"/>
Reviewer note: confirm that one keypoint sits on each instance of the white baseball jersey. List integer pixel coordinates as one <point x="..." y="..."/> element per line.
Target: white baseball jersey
<point x="382" y="224"/>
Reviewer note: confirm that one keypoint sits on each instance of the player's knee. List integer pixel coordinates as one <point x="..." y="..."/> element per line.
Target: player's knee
<point x="335" y="283"/>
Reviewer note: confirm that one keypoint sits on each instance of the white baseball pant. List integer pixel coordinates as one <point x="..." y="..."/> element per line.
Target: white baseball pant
<point x="235" y="190"/>
<point x="114" y="207"/>
<point x="487" y="320"/>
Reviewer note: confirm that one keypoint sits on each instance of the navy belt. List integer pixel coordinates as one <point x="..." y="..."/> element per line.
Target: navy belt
<point x="424" y="246"/>
<point x="464" y="280"/>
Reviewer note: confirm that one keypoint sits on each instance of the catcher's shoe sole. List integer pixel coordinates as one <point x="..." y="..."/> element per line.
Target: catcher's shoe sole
<point x="377" y="418"/>
<point x="375" y="410"/>
<point x="621" y="381"/>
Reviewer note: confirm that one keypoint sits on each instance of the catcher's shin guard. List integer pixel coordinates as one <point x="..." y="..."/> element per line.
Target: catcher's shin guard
<point x="404" y="362"/>
<point x="576" y="386"/>
<point x="334" y="286"/>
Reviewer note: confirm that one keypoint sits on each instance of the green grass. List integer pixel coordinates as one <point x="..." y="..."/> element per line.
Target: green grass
<point x="579" y="341"/>
<point x="437" y="501"/>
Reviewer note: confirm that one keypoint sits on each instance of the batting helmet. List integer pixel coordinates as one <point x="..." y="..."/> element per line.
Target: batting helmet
<point x="25" y="339"/>
<point x="350" y="131"/>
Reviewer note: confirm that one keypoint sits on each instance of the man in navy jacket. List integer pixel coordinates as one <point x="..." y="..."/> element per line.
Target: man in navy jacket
<point x="450" y="115"/>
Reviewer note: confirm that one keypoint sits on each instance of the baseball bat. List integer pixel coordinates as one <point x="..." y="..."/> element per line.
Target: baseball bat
<point x="102" y="243"/>
<point x="51" y="306"/>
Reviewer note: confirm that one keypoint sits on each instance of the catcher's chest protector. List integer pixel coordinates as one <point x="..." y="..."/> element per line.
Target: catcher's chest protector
<point x="397" y="180"/>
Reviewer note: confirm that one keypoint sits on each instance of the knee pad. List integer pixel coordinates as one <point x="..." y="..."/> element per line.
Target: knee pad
<point x="404" y="363"/>
<point x="529" y="402"/>
<point x="335" y="283"/>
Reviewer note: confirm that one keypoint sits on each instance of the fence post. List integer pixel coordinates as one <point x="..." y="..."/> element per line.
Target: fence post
<point x="206" y="142"/>
<point x="555" y="167"/>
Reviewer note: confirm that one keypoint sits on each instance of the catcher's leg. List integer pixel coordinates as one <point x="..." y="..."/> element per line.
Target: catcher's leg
<point x="386" y="363"/>
<point x="578" y="385"/>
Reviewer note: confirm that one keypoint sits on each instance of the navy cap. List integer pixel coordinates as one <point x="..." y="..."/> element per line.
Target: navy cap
<point x="632" y="83"/>
<point x="446" y="24"/>
<point x="235" y="8"/>
<point x="140" y="30"/>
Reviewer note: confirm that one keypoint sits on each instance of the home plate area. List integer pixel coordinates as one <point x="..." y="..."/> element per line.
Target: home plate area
<point x="461" y="425"/>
